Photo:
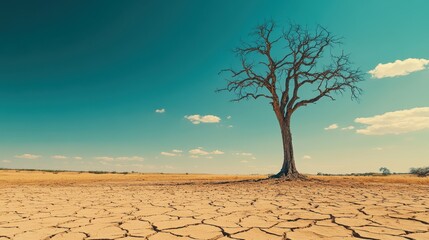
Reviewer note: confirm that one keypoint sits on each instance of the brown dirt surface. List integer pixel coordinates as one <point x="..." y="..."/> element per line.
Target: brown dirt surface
<point x="67" y="205"/>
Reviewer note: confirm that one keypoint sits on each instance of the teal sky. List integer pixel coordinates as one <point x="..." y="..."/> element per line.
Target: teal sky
<point x="80" y="83"/>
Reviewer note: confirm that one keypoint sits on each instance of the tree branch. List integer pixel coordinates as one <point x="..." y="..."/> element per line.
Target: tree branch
<point x="289" y="64"/>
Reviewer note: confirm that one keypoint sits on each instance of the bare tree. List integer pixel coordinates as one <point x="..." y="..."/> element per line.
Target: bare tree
<point x="290" y="69"/>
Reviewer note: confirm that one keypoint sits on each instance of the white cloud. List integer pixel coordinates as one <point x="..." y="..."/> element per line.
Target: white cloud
<point x="198" y="151"/>
<point x="230" y="126"/>
<point x="173" y="153"/>
<point x="217" y="152"/>
<point x="332" y="127"/>
<point x="201" y="152"/>
<point x="244" y="161"/>
<point x="193" y="156"/>
<point x="168" y="154"/>
<point x="6" y="161"/>
<point x="162" y="110"/>
<point x="132" y="158"/>
<point x="396" y="122"/>
<point x="105" y="158"/>
<point x="378" y="148"/>
<point x="306" y="157"/>
<point x="399" y="68"/>
<point x="58" y="157"/>
<point x="27" y="156"/>
<point x="197" y="119"/>
<point x="78" y="158"/>
<point x="348" y="128"/>
<point x="229" y="117"/>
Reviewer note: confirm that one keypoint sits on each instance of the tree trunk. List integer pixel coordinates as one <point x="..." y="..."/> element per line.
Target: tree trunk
<point x="288" y="169"/>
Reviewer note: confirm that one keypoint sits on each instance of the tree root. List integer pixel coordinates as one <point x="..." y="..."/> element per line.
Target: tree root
<point x="289" y="176"/>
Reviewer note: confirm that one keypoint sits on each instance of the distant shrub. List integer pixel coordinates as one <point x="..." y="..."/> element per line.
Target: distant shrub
<point x="384" y="171"/>
<point x="348" y="174"/>
<point x="325" y="174"/>
<point x="98" y="172"/>
<point x="366" y="174"/>
<point x="421" y="172"/>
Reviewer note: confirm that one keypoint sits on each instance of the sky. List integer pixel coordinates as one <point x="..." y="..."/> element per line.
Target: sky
<point x="130" y="86"/>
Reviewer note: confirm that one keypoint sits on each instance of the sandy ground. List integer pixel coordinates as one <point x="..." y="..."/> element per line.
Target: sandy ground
<point x="37" y="205"/>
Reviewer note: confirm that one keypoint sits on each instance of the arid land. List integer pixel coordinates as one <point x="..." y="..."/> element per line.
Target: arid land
<point x="71" y="205"/>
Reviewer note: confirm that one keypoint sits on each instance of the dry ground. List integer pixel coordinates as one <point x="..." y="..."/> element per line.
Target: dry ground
<point x="41" y="205"/>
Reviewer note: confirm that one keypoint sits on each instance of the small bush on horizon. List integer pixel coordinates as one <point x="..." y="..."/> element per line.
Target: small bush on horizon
<point x="98" y="172"/>
<point x="420" y="172"/>
<point x="385" y="171"/>
<point x="348" y="174"/>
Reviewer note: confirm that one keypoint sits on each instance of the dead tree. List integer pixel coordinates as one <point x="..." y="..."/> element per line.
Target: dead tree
<point x="291" y="69"/>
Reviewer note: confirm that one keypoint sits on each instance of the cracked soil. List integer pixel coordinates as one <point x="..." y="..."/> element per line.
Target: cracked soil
<point x="201" y="209"/>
